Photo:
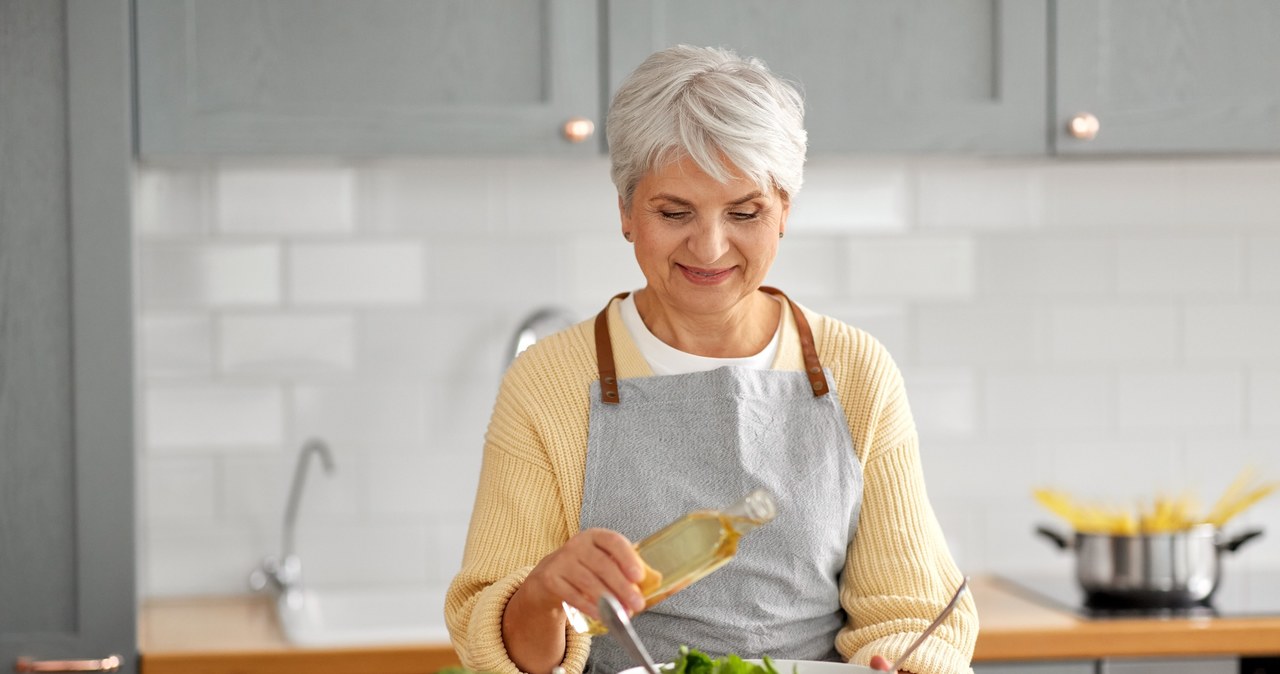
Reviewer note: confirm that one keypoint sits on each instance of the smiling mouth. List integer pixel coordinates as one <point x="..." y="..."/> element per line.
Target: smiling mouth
<point x="705" y="276"/>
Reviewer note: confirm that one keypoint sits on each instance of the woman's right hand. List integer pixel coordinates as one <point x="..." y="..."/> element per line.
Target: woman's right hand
<point x="581" y="570"/>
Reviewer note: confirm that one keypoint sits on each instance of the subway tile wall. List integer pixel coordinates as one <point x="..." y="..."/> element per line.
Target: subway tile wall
<point x="1107" y="327"/>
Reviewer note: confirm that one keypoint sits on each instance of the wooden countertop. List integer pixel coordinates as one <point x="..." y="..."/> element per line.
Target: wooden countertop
<point x="240" y="635"/>
<point x="1014" y="627"/>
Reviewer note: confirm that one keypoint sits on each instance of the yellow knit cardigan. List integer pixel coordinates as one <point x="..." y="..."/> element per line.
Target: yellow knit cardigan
<point x="898" y="574"/>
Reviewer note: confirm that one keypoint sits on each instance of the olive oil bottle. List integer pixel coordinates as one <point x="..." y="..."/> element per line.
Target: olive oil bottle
<point x="688" y="549"/>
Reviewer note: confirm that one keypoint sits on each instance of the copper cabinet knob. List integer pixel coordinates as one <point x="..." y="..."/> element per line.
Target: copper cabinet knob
<point x="1083" y="126"/>
<point x="578" y="129"/>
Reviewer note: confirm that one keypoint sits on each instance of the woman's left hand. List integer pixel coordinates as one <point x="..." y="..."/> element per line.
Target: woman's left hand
<point x="880" y="664"/>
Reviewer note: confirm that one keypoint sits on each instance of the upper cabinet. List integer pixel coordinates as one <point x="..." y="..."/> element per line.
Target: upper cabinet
<point x="902" y="76"/>
<point x="1193" y="76"/>
<point x="988" y="77"/>
<point x="367" y="77"/>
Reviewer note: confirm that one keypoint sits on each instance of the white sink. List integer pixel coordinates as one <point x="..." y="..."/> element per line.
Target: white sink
<point x="364" y="616"/>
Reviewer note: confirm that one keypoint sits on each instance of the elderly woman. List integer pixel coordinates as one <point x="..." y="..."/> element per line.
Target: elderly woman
<point x="686" y="394"/>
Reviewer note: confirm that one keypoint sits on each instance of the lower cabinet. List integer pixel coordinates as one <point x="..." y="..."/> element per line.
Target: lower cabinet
<point x="1216" y="665"/>
<point x="1037" y="667"/>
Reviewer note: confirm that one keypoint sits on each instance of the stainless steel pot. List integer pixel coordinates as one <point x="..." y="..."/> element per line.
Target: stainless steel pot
<point x="1174" y="570"/>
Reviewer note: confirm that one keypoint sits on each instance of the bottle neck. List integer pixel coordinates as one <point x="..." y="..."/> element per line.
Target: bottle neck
<point x="755" y="509"/>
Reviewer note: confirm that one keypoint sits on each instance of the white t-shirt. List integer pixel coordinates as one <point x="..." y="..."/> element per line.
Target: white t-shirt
<point x="666" y="359"/>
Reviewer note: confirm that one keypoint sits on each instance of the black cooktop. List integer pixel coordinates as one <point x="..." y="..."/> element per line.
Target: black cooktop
<point x="1241" y="593"/>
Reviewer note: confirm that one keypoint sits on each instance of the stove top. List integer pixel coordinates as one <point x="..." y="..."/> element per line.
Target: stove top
<point x="1241" y="593"/>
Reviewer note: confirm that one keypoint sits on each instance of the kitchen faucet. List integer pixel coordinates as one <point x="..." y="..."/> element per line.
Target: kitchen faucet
<point x="284" y="574"/>
<point x="540" y="323"/>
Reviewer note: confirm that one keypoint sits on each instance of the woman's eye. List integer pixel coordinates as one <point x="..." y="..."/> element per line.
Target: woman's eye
<point x="675" y="215"/>
<point x="745" y="216"/>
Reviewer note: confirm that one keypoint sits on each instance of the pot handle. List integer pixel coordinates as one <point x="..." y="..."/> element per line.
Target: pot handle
<point x="1056" y="537"/>
<point x="1234" y="544"/>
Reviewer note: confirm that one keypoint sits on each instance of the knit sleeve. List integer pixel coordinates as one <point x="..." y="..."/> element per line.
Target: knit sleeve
<point x="519" y="518"/>
<point x="899" y="573"/>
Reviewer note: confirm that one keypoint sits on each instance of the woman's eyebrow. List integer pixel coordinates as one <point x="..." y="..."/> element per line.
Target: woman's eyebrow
<point x="754" y="195"/>
<point x="685" y="202"/>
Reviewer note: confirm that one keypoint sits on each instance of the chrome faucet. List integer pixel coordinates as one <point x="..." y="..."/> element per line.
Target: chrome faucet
<point x="539" y="324"/>
<point x="283" y="575"/>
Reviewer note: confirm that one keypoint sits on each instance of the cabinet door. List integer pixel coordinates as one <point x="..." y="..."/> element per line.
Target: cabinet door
<point x="66" y="397"/>
<point x="365" y="76"/>
<point x="902" y="76"/>
<point x="1160" y="76"/>
<point x="1036" y="667"/>
<point x="1170" y="666"/>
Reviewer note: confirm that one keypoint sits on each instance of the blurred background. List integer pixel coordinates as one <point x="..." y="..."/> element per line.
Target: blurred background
<point x="330" y="219"/>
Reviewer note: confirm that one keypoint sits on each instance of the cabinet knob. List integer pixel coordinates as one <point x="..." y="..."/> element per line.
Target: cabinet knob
<point x="1083" y="126"/>
<point x="578" y="129"/>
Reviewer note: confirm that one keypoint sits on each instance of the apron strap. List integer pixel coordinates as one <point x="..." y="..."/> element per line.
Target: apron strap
<point x="609" y="375"/>
<point x="812" y="368"/>
<point x="604" y="355"/>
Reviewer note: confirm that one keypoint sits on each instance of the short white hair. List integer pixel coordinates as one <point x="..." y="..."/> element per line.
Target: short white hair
<point x="712" y="106"/>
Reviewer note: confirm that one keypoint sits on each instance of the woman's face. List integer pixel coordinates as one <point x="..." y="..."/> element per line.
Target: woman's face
<point x="703" y="245"/>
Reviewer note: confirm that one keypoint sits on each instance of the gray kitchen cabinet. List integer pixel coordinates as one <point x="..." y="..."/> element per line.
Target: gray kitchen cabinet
<point x="1192" y="76"/>
<point x="1036" y="667"/>
<point x="905" y="76"/>
<point x="366" y="77"/>
<point x="66" y="398"/>
<point x="1217" y="665"/>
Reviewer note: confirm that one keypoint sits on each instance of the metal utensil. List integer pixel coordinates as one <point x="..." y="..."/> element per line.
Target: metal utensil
<point x="615" y="618"/>
<point x="951" y="605"/>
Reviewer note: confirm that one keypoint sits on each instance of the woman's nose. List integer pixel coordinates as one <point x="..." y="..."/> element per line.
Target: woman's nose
<point x="708" y="242"/>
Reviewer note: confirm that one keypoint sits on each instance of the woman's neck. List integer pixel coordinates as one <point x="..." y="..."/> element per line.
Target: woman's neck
<point x="743" y="330"/>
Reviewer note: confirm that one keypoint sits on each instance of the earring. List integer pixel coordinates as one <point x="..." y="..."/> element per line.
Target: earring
<point x="779" y="235"/>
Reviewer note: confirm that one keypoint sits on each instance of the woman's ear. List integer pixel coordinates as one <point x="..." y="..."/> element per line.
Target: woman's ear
<point x="625" y="218"/>
<point x="782" y="219"/>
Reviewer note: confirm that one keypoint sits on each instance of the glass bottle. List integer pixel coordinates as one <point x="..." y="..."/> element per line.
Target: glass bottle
<point x="688" y="549"/>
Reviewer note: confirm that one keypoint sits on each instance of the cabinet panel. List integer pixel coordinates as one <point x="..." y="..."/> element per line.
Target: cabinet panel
<point x="904" y="76"/>
<point x="1036" y="667"/>
<point x="1161" y="76"/>
<point x="365" y="76"/>
<point x="1171" y="666"/>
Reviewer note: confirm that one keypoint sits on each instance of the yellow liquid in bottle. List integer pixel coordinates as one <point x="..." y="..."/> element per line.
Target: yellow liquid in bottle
<point x="686" y="551"/>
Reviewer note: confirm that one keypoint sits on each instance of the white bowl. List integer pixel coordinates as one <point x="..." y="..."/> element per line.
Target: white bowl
<point x="797" y="666"/>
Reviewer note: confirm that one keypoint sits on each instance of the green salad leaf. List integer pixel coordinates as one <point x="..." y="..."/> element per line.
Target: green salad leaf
<point x="692" y="661"/>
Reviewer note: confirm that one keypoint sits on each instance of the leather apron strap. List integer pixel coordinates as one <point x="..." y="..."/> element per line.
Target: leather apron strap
<point x="609" y="373"/>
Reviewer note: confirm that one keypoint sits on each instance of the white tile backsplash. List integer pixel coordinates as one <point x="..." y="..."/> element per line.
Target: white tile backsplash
<point x="967" y="195"/>
<point x="214" y="416"/>
<point x="1046" y="266"/>
<point x="356" y="273"/>
<point x="843" y="197"/>
<point x="209" y="275"/>
<point x="1102" y="326"/>
<point x="1040" y="402"/>
<point x="361" y="416"/>
<point x="1180" y="266"/>
<point x="1264" y="399"/>
<point x="286" y="343"/>
<point x="300" y="200"/>
<point x="1169" y="400"/>
<point x="1262" y="254"/>
<point x="1118" y="333"/>
<point x="176" y="344"/>
<point x="913" y="267"/>
<point x="1233" y="332"/>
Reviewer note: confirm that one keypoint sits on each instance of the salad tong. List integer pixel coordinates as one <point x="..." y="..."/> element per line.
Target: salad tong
<point x="615" y="618"/>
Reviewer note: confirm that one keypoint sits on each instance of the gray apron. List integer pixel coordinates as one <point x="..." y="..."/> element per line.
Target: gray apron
<point x="659" y="447"/>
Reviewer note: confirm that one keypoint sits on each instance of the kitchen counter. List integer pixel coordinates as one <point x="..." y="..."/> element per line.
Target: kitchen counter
<point x="1016" y="627"/>
<point x="240" y="635"/>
